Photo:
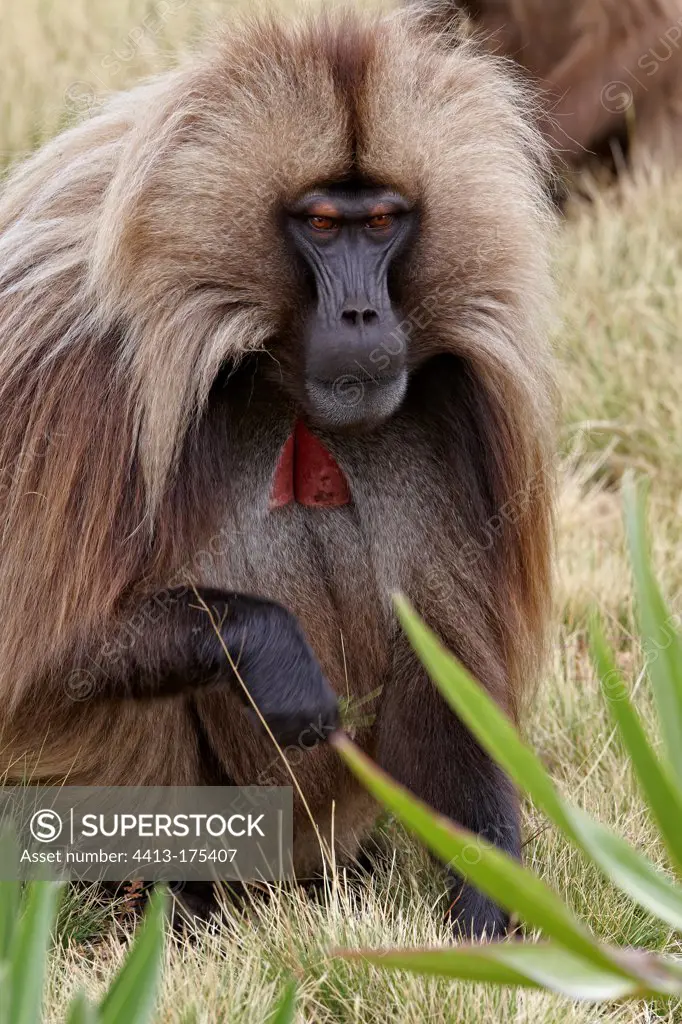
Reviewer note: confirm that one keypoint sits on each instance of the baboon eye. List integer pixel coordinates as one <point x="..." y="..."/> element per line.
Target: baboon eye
<point x="320" y="223"/>
<point x="380" y="221"/>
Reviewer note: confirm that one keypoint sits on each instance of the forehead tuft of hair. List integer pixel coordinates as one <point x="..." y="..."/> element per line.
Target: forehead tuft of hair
<point x="349" y="50"/>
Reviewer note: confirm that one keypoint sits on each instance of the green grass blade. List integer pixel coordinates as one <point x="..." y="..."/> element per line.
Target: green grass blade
<point x="496" y="733"/>
<point x="10" y="889"/>
<point x="28" y="958"/>
<point x="5" y="993"/>
<point x="660" y="640"/>
<point x="627" y="869"/>
<point x="285" y="1010"/>
<point x="132" y="995"/>
<point x="81" y="1011"/>
<point x="545" y="966"/>
<point x="663" y="796"/>
<point x="479" y="712"/>
<point x="497" y="874"/>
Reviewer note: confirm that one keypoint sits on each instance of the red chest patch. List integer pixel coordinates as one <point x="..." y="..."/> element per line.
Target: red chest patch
<point x="307" y="474"/>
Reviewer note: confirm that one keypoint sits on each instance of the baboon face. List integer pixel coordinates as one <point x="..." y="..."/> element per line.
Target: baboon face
<point x="348" y="240"/>
<point x="335" y="214"/>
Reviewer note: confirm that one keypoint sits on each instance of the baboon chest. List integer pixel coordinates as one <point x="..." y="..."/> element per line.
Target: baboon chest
<point x="334" y="566"/>
<point x="317" y="561"/>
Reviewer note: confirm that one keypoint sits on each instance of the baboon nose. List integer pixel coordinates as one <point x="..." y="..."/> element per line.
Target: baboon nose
<point x="359" y="314"/>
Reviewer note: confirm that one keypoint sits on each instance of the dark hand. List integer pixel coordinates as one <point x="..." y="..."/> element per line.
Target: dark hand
<point x="181" y="651"/>
<point x="275" y="662"/>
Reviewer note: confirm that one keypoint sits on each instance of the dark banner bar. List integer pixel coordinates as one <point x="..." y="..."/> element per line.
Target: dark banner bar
<point x="150" y="833"/>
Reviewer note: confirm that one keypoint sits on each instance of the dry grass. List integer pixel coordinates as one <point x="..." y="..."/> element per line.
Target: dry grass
<point x="620" y="269"/>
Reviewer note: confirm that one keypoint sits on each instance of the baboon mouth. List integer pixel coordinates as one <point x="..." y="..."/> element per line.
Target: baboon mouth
<point x="354" y="400"/>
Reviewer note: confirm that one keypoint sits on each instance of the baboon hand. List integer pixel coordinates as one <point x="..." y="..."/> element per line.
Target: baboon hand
<point x="270" y="655"/>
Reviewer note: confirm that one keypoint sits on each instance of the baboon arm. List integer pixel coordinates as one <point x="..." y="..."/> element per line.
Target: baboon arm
<point x="183" y="640"/>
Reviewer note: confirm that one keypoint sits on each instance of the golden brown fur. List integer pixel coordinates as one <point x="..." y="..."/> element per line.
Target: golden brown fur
<point x="139" y="254"/>
<point x="610" y="68"/>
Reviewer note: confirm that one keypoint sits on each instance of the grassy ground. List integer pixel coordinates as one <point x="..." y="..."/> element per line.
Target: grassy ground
<point x="620" y="271"/>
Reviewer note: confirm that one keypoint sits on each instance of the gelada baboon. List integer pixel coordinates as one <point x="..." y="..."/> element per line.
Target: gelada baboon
<point x="611" y="70"/>
<point x="274" y="325"/>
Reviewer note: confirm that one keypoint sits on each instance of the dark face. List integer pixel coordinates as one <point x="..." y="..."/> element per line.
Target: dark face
<point x="350" y="242"/>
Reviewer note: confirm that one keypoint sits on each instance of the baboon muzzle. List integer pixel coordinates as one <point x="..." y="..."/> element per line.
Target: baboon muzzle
<point x="354" y="355"/>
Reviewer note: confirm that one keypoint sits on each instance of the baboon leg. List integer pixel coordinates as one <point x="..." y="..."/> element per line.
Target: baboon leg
<point x="423" y="745"/>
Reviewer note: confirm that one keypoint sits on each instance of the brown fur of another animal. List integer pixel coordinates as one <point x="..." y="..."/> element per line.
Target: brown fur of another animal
<point x="610" y="69"/>
<point x="140" y="258"/>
